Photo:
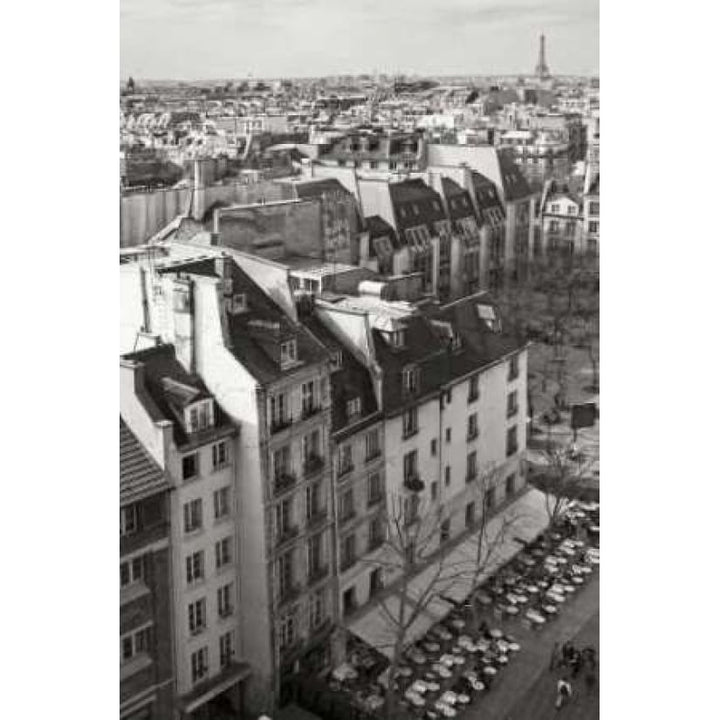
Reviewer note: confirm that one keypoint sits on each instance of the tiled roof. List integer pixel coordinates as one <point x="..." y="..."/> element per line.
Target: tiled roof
<point x="515" y="186"/>
<point x="316" y="188"/>
<point x="486" y="193"/>
<point x="140" y="475"/>
<point x="458" y="200"/>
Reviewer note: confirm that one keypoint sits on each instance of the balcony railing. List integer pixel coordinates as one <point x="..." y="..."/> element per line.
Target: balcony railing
<point x="512" y="411"/>
<point x="310" y="410"/>
<point x="278" y="424"/>
<point x="227" y="611"/>
<point x="284" y="481"/>
<point x="473" y="396"/>
<point x="287" y="534"/>
<point x="471" y="476"/>
<point x="374" y="543"/>
<point x="317" y="574"/>
<point x="318" y="517"/>
<point x="289" y="593"/>
<point x="375" y="499"/>
<point x="347" y="563"/>
<point x="511" y="450"/>
<point x="373" y="455"/>
<point x="313" y="463"/>
<point x="345" y="469"/>
<point x="472" y="434"/>
<point x="409" y="432"/>
<point x="348" y="516"/>
<point x="414" y="483"/>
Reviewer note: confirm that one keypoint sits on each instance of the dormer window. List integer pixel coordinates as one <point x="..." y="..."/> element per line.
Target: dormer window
<point x="336" y="360"/>
<point x="487" y="314"/>
<point x="288" y="353"/>
<point x="239" y="303"/>
<point x="199" y="416"/>
<point x="411" y="379"/>
<point x="353" y="407"/>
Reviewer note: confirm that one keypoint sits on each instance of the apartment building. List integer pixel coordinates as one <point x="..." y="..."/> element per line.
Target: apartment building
<point x="592" y="214"/>
<point x="453" y="396"/>
<point x="237" y="329"/>
<point x="196" y="444"/>
<point x="358" y="463"/>
<point x="562" y="221"/>
<point x="146" y="656"/>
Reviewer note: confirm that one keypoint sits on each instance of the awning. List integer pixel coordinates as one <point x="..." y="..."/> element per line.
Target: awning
<point x="377" y="626"/>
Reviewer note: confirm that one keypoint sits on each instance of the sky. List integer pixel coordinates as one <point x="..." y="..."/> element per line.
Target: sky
<point x="235" y="39"/>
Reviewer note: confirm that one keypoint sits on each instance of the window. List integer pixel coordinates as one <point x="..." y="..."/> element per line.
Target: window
<point x="312" y="501"/>
<point x="376" y="533"/>
<point x="226" y="649"/>
<point x="195" y="566"/>
<point x="281" y="462"/>
<point x="514" y="368"/>
<point x="132" y="571"/>
<point x="448" y="396"/>
<point x="448" y="435"/>
<point x="410" y="471"/>
<point x="317" y="609"/>
<point x="410" y="422"/>
<point x="336" y="360"/>
<point x="376" y="581"/>
<point x="279" y="410"/>
<point x="288" y="630"/>
<point x="283" y="517"/>
<point x="347" y="552"/>
<point x="353" y="407"/>
<point x="512" y="406"/>
<point x="472" y="427"/>
<point x="219" y="455"/>
<point x="594" y="226"/>
<point x="490" y="498"/>
<point x="349" y="599"/>
<point x="239" y="303"/>
<point x="224" y="600"/>
<point x="189" y="466"/>
<point x="192" y="514"/>
<point x="594" y="208"/>
<point x="223" y="553"/>
<point x="469" y="514"/>
<point x="347" y="506"/>
<point x="285" y="573"/>
<point x="445" y="530"/>
<point x="375" y="489"/>
<point x="433" y="447"/>
<point x="447" y="475"/>
<point x="511" y="445"/>
<point x="311" y="451"/>
<point x="555" y="208"/>
<point x="198" y="416"/>
<point x="199" y="664"/>
<point x="128" y="520"/>
<point x="346" y="463"/>
<point x="473" y="389"/>
<point x="197" y="619"/>
<point x="510" y="485"/>
<point x="554" y="226"/>
<point x="372" y="445"/>
<point x="314" y="554"/>
<point x="471" y="467"/>
<point x="221" y="501"/>
<point x="434" y="490"/>
<point x="288" y="353"/>
<point x="411" y="379"/>
<point x="135" y="643"/>
<point x="309" y="404"/>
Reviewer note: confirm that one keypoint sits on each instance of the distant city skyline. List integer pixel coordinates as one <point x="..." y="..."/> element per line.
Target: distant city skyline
<point x="212" y="39"/>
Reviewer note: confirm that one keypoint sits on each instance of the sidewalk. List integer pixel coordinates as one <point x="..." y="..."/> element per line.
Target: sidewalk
<point x="526" y="689"/>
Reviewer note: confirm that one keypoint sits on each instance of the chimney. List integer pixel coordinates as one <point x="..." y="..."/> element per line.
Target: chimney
<point x="132" y="377"/>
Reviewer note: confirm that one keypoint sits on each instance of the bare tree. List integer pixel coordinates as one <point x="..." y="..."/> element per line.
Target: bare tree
<point x="562" y="479"/>
<point x="415" y="556"/>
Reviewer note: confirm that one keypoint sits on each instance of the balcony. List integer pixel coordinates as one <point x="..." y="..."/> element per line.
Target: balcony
<point x="318" y="517"/>
<point x="511" y="450"/>
<point x="347" y="563"/>
<point x="473" y="396"/>
<point x="281" y="423"/>
<point x="310" y="410"/>
<point x="414" y="483"/>
<point x="472" y="434"/>
<point x="373" y="456"/>
<point x="313" y="464"/>
<point x="226" y="612"/>
<point x="471" y="477"/>
<point x="409" y="432"/>
<point x="374" y="543"/>
<point x="344" y="470"/>
<point x="284" y="481"/>
<point x="289" y="593"/>
<point x="317" y="574"/>
<point x="512" y="411"/>
<point x="375" y="499"/>
<point x="286" y="534"/>
<point x="348" y="516"/>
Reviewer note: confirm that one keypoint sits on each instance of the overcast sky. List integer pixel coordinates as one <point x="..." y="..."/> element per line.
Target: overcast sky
<point x="199" y="39"/>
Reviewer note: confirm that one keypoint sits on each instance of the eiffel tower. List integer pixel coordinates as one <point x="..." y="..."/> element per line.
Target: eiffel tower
<point x="541" y="69"/>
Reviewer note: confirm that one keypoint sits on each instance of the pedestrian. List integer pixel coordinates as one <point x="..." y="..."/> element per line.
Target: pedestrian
<point x="577" y="663"/>
<point x="564" y="692"/>
<point x="567" y="652"/>
<point x="554" y="656"/>
<point x="590" y="680"/>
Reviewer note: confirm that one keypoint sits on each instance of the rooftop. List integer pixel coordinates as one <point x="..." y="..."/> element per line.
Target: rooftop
<point x="140" y="475"/>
